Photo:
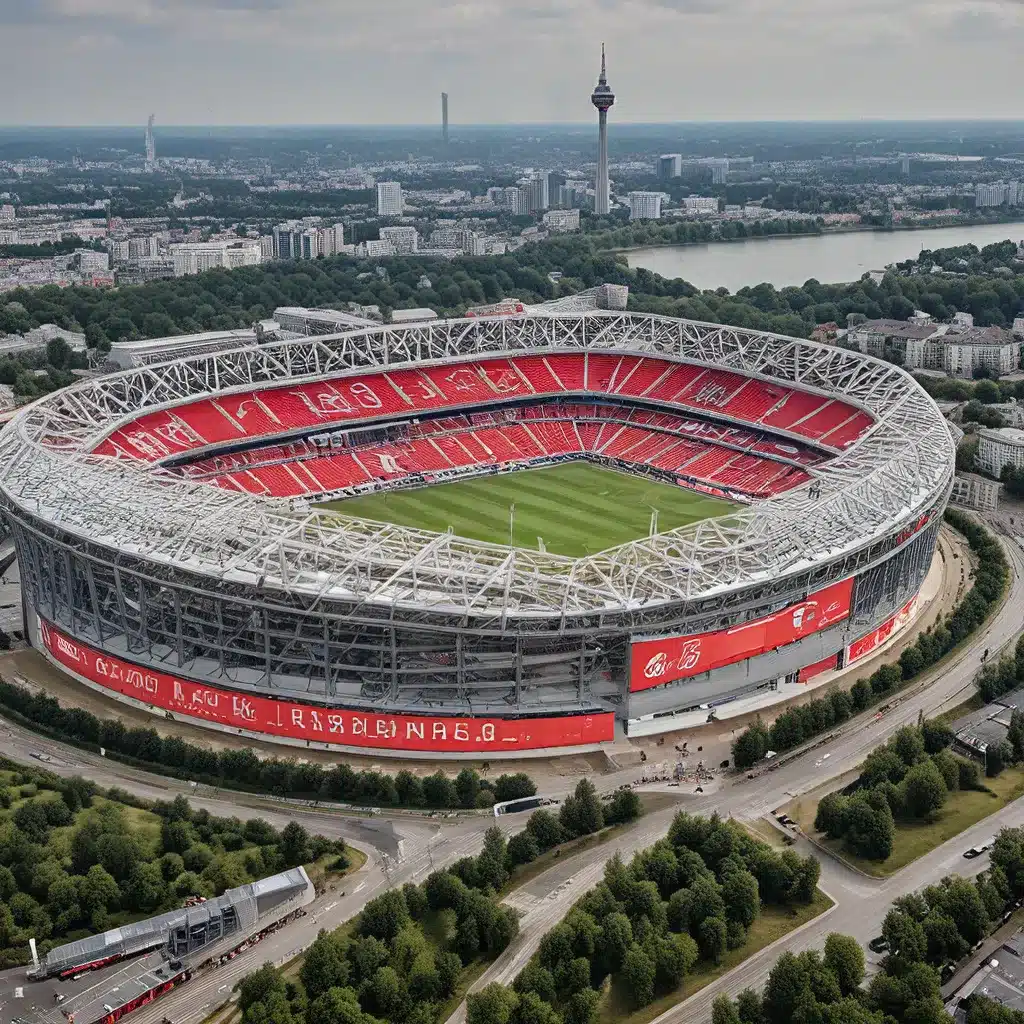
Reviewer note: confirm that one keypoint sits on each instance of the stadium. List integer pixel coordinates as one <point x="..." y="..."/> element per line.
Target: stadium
<point x="503" y="535"/>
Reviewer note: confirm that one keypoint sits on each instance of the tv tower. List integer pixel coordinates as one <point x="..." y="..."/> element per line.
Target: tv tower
<point x="444" y="117"/>
<point x="602" y="97"/>
<point x="150" y="144"/>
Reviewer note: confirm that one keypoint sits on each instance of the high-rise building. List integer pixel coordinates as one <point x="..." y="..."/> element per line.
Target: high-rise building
<point x="332" y="240"/>
<point x="536" y="188"/>
<point x="444" y="117"/>
<point x="645" y="205"/>
<point x="993" y="194"/>
<point x="389" y="199"/>
<point x="670" y="165"/>
<point x="905" y="164"/>
<point x="602" y="97"/>
<point x="150" y="144"/>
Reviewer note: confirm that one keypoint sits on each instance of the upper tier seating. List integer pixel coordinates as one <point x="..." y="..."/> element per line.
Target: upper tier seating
<point x="273" y="411"/>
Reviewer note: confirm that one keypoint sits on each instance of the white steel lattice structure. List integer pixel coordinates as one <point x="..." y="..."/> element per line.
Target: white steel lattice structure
<point x="860" y="508"/>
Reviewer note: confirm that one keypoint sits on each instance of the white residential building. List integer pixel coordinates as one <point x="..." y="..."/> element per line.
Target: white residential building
<point x="645" y="205"/>
<point x="562" y="220"/>
<point x="991" y="194"/>
<point x="999" y="447"/>
<point x="374" y="247"/>
<point x="978" y="492"/>
<point x="92" y="262"/>
<point x="195" y="257"/>
<point x="701" y="204"/>
<point x="332" y="240"/>
<point x="389" y="199"/>
<point x="404" y="239"/>
<point x="6" y="212"/>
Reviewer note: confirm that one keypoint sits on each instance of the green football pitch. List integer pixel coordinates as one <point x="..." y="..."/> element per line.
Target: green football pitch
<point x="576" y="508"/>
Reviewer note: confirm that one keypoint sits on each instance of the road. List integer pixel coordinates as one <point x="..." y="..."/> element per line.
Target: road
<point x="407" y="848"/>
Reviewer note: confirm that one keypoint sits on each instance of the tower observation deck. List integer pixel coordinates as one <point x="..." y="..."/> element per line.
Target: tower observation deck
<point x="602" y="97"/>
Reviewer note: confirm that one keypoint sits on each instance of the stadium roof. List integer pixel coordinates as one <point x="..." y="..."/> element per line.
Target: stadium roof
<point x="901" y="466"/>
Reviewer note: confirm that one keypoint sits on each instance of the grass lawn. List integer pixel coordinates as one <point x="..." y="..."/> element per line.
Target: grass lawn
<point x="577" y="508"/>
<point x="773" y="923"/>
<point x="961" y="810"/>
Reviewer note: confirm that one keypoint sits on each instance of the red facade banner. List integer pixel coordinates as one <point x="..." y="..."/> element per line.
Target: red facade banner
<point x="866" y="644"/>
<point x="809" y="672"/>
<point x="240" y="710"/>
<point x="654" y="662"/>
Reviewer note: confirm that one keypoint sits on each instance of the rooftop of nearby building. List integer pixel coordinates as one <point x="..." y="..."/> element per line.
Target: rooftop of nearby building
<point x="1003" y="435"/>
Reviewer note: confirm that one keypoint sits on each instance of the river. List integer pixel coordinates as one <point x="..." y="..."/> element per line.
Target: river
<point x="829" y="258"/>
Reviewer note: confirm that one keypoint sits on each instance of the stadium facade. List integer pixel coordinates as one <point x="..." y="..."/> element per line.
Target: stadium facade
<point x="173" y="555"/>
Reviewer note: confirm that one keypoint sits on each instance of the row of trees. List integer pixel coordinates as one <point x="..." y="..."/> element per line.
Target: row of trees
<point x="681" y="902"/>
<point x="924" y="931"/>
<point x="221" y="299"/>
<point x="907" y="779"/>
<point x="409" y="946"/>
<point x="72" y="864"/>
<point x="242" y="769"/>
<point x="796" y="725"/>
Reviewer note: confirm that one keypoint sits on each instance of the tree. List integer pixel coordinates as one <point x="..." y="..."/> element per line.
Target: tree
<point x="723" y="1011"/>
<point x="923" y="790"/>
<point x="741" y="897"/>
<point x="831" y="816"/>
<point x="258" y="986"/>
<point x="385" y="916"/>
<point x="581" y="1007"/>
<point x="448" y="967"/>
<point x="869" y="831"/>
<point x="624" y="806"/>
<point x="467" y="786"/>
<point x="493" y="1004"/>
<point x="388" y="993"/>
<point x="581" y="813"/>
<point x="905" y="937"/>
<point x="522" y="848"/>
<point x="513" y="787"/>
<point x="751" y="745"/>
<point x="439" y="791"/>
<point x="294" y="844"/>
<point x="638" y="971"/>
<point x="545" y="828"/>
<point x="324" y="966"/>
<point x="845" y="959"/>
<point x="712" y="938"/>
<point x="616" y="939"/>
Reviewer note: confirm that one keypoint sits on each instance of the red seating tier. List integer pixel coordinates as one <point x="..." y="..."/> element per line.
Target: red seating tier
<point x="328" y="404"/>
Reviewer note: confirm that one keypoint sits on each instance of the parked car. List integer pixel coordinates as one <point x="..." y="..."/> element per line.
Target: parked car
<point x="878" y="944"/>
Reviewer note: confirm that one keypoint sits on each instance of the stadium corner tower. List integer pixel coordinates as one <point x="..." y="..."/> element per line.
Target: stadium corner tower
<point x="174" y="556"/>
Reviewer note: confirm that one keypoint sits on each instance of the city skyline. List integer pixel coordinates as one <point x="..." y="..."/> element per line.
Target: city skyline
<point x="703" y="60"/>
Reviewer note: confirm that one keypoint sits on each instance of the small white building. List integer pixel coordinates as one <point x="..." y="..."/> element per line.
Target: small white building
<point x="562" y="221"/>
<point x="412" y="316"/>
<point x="404" y="239"/>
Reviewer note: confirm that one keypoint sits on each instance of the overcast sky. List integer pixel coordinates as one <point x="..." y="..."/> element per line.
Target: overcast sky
<point x="385" y="61"/>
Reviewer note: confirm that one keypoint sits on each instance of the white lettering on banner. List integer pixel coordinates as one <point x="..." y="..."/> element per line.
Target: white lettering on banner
<point x="365" y="395"/>
<point x="178" y="434"/>
<point x="656" y="666"/>
<point x="358" y="726"/>
<point x="297" y="717"/>
<point x="462" y="379"/>
<point x="487" y="732"/>
<point x="205" y="698"/>
<point x="461" y="732"/>
<point x="335" y="723"/>
<point x="504" y="380"/>
<point x="689" y="654"/>
<point x="439" y="732"/>
<point x="386" y="728"/>
<point x="414" y="730"/>
<point x="241" y="707"/>
<point x="317" y="725"/>
<point x="69" y="649"/>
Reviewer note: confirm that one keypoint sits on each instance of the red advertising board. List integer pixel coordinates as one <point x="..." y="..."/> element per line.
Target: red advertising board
<point x="297" y="721"/>
<point x="825" y="665"/>
<point x="653" y="662"/>
<point x="866" y="644"/>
